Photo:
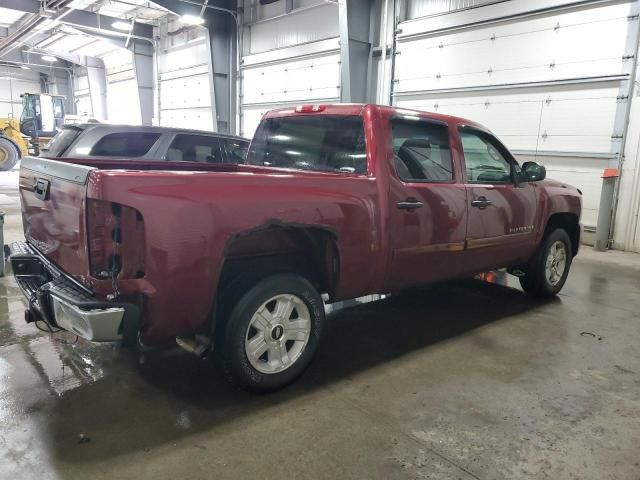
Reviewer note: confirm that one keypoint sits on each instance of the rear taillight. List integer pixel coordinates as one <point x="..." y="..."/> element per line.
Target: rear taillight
<point x="116" y="240"/>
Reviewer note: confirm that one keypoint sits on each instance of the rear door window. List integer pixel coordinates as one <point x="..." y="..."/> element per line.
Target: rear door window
<point x="129" y="144"/>
<point x="328" y="143"/>
<point x="194" y="148"/>
<point x="421" y="151"/>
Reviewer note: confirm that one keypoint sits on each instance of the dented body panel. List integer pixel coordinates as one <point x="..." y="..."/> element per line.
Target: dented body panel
<point x="176" y="228"/>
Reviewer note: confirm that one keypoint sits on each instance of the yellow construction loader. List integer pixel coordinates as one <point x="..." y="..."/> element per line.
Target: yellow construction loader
<point x="12" y="144"/>
<point x="42" y="116"/>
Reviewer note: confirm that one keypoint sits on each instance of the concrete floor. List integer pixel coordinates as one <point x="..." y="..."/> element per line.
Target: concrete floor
<point x="470" y="380"/>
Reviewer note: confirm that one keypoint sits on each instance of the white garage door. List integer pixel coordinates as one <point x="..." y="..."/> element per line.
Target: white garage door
<point x="290" y="59"/>
<point x="288" y="82"/>
<point x="552" y="86"/>
<point x="186" y="96"/>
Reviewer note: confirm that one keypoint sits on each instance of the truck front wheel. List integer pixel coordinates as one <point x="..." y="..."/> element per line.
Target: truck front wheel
<point x="273" y="333"/>
<point x="549" y="268"/>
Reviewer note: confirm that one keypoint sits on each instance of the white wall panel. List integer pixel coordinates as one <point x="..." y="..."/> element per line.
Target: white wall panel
<point x="627" y="226"/>
<point x="194" y="118"/>
<point x="184" y="56"/>
<point x="307" y="25"/>
<point x="289" y="59"/>
<point x="290" y="81"/>
<point x="13" y="82"/>
<point x="567" y="45"/>
<point x="573" y="118"/>
<point x="186" y="99"/>
<point x="123" y="102"/>
<point x="305" y="79"/>
<point x="421" y="8"/>
<point x="547" y="83"/>
<point x="81" y="82"/>
<point x="82" y="94"/>
<point x="83" y="105"/>
<point x="251" y="116"/>
<point x="583" y="173"/>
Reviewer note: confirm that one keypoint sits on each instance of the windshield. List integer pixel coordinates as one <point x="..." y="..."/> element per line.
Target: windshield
<point x="328" y="143"/>
<point x="61" y="142"/>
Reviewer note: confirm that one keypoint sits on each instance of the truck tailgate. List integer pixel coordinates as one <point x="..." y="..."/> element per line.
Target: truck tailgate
<point x="53" y="196"/>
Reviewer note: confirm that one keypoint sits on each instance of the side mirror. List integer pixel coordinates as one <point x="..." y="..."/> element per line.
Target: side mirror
<point x="533" y="172"/>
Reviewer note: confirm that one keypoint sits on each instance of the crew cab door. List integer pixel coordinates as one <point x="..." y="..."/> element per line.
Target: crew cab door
<point x="428" y="204"/>
<point x="502" y="212"/>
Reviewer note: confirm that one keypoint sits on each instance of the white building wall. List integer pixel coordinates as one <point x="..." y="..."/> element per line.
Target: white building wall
<point x="81" y="93"/>
<point x="13" y="82"/>
<point x="422" y="8"/>
<point x="289" y="59"/>
<point x="186" y="97"/>
<point x="627" y="221"/>
<point x="123" y="101"/>
<point x="550" y="85"/>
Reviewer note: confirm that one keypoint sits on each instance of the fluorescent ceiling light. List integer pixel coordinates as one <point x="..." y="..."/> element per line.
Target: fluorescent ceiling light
<point x="191" y="20"/>
<point x="120" y="25"/>
<point x="49" y="58"/>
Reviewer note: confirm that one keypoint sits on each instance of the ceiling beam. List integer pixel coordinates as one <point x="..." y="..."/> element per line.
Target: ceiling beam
<point x="79" y="18"/>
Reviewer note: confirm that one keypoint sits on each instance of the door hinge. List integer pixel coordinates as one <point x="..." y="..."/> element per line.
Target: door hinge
<point x="616" y="136"/>
<point x="620" y="98"/>
<point x="632" y="17"/>
<point x="627" y="57"/>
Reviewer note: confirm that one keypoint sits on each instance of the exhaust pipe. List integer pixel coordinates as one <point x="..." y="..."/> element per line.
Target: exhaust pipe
<point x="198" y="345"/>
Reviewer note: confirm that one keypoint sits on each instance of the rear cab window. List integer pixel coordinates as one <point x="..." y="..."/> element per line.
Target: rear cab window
<point x="61" y="142"/>
<point x="123" y="144"/>
<point x="324" y="143"/>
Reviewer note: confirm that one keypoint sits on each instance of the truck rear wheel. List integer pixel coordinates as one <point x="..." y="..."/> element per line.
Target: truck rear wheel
<point x="549" y="268"/>
<point x="9" y="154"/>
<point x="273" y="333"/>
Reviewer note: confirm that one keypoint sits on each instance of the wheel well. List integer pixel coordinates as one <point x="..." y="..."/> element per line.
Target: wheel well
<point x="252" y="256"/>
<point x="570" y="223"/>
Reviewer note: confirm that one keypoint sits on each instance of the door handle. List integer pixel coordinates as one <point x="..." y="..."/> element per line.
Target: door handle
<point x="481" y="203"/>
<point x="409" y="204"/>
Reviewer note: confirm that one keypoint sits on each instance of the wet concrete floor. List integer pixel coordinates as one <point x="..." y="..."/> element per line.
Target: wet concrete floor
<point x="469" y="380"/>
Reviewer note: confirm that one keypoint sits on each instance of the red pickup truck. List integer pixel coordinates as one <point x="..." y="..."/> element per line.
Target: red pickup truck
<point x="335" y="200"/>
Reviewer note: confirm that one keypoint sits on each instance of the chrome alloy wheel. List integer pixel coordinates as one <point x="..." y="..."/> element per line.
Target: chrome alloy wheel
<point x="277" y="334"/>
<point x="556" y="263"/>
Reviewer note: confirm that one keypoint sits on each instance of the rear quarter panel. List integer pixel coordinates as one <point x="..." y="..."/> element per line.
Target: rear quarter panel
<point x="190" y="216"/>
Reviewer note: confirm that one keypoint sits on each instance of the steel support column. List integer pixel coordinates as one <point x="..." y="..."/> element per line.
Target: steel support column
<point x="98" y="91"/>
<point x="144" y="67"/>
<point x="224" y="67"/>
<point x="355" y="50"/>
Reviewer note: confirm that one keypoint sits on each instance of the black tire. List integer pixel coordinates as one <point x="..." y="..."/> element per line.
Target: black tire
<point x="535" y="281"/>
<point x="237" y="366"/>
<point x="9" y="154"/>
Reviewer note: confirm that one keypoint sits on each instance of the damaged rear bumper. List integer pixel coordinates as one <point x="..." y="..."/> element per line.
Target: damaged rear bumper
<point x="59" y="301"/>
